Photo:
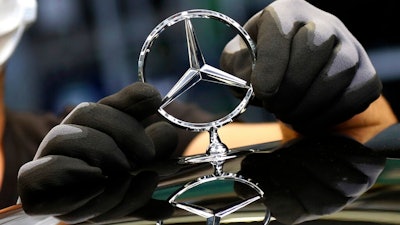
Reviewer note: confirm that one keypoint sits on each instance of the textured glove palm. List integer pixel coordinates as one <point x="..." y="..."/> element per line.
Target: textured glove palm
<point x="88" y="167"/>
<point x="310" y="71"/>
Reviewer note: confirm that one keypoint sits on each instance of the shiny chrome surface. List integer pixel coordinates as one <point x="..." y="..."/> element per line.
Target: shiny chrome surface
<point x="360" y="201"/>
<point x="217" y="152"/>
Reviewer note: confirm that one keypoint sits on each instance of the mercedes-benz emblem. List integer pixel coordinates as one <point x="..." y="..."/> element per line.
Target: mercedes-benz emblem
<point x="199" y="71"/>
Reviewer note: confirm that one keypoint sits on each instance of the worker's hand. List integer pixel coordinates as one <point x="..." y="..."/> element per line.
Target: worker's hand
<point x="314" y="176"/>
<point x="89" y="166"/>
<point x="310" y="70"/>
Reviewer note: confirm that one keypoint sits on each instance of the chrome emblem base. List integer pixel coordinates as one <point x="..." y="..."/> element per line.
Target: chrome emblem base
<point x="217" y="152"/>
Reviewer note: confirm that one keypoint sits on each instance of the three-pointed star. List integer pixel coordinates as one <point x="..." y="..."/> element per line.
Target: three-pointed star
<point x="214" y="216"/>
<point x="199" y="70"/>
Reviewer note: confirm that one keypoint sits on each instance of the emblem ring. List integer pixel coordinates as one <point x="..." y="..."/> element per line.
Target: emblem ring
<point x="205" y="14"/>
<point x="215" y="215"/>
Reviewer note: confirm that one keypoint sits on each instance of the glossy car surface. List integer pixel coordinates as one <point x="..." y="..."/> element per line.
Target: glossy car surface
<point x="324" y="180"/>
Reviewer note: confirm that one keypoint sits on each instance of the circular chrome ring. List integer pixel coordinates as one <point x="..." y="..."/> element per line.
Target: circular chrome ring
<point x="208" y="213"/>
<point x="206" y="14"/>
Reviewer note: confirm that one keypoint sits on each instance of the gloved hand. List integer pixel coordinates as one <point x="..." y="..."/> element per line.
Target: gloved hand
<point x="310" y="71"/>
<point x="313" y="176"/>
<point x="89" y="166"/>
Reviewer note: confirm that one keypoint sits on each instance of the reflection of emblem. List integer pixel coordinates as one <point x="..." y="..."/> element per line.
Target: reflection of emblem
<point x="200" y="71"/>
<point x="214" y="216"/>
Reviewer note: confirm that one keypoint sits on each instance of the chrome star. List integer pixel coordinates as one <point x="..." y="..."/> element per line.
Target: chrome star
<point x="217" y="152"/>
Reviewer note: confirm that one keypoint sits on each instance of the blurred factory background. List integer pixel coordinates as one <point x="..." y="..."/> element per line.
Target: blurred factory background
<point x="83" y="50"/>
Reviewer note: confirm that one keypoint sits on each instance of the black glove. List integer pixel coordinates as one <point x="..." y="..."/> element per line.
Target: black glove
<point x="88" y="167"/>
<point x="387" y="142"/>
<point x="310" y="70"/>
<point x="311" y="177"/>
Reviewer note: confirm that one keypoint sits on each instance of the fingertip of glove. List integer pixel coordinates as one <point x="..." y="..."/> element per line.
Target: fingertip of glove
<point x="165" y="138"/>
<point x="138" y="99"/>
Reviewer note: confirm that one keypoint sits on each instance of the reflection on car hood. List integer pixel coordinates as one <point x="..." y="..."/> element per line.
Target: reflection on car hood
<point x="360" y="196"/>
